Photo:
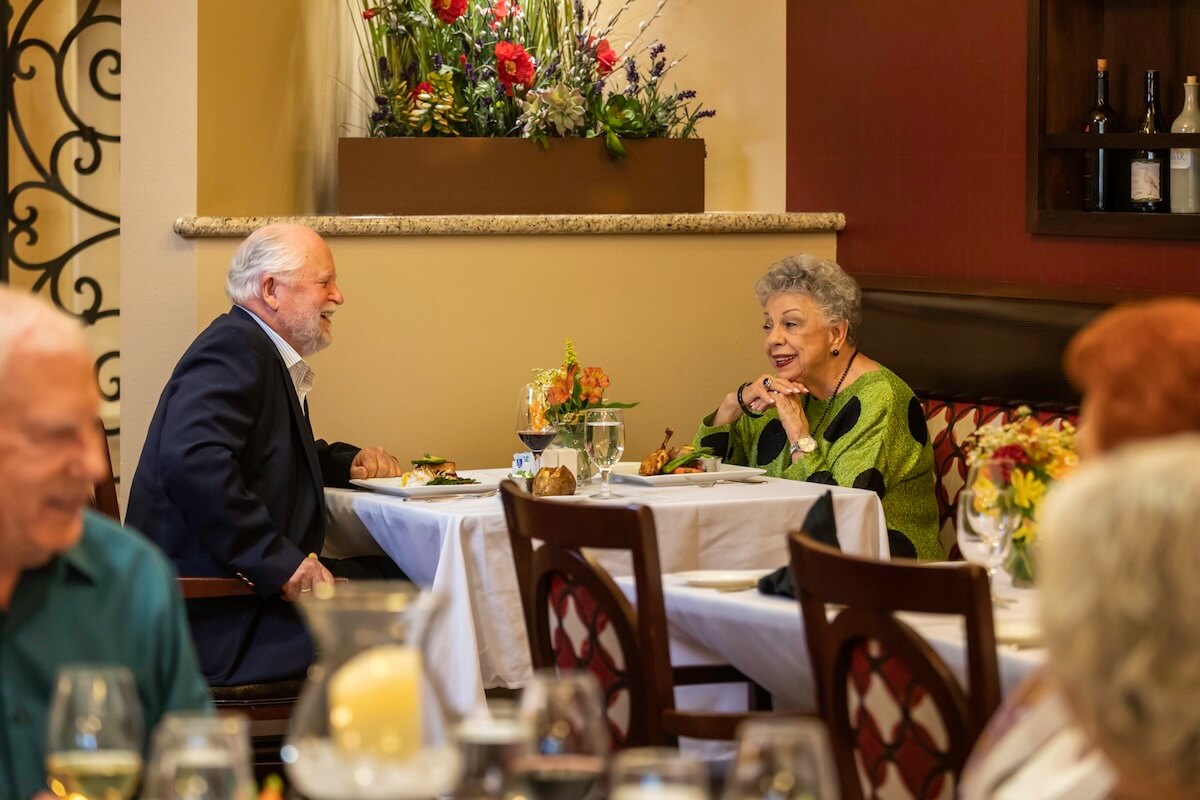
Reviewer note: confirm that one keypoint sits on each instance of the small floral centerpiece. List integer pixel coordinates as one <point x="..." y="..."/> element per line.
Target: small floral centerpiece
<point x="1041" y="454"/>
<point x="570" y="391"/>
<point x="534" y="68"/>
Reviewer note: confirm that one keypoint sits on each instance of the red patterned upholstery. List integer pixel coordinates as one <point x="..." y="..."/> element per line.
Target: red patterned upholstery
<point x="583" y="638"/>
<point x="951" y="420"/>
<point x="900" y="738"/>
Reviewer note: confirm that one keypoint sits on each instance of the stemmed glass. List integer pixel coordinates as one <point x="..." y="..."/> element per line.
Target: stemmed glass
<point x="657" y="773"/>
<point x="94" y="736"/>
<point x="782" y="759"/>
<point x="604" y="438"/>
<point x="988" y="515"/>
<point x="491" y="742"/>
<point x="571" y="741"/>
<point x="534" y="427"/>
<point x="197" y="756"/>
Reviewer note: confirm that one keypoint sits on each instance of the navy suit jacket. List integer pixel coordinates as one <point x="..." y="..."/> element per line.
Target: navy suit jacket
<point x="231" y="482"/>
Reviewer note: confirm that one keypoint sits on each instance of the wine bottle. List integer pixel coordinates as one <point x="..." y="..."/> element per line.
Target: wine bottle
<point x="1185" y="161"/>
<point x="1097" y="163"/>
<point x="1147" y="177"/>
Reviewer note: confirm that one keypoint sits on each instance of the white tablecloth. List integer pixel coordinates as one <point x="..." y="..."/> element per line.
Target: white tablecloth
<point x="763" y="636"/>
<point x="460" y="549"/>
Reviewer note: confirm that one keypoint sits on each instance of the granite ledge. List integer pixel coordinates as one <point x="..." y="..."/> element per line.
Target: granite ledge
<point x="525" y="225"/>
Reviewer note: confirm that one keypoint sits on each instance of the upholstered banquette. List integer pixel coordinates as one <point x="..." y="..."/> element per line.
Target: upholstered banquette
<point x="972" y="360"/>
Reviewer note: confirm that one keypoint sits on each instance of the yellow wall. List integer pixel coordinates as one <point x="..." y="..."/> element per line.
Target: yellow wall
<point x="275" y="92"/>
<point x="438" y="333"/>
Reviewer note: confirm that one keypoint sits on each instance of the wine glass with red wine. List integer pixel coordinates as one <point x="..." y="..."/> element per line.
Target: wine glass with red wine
<point x="534" y="428"/>
<point x="571" y="741"/>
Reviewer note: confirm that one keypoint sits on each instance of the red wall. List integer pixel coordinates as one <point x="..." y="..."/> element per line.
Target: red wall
<point x="910" y="118"/>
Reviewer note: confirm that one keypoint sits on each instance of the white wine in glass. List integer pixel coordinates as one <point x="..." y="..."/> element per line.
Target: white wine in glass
<point x="604" y="436"/>
<point x="94" y="736"/>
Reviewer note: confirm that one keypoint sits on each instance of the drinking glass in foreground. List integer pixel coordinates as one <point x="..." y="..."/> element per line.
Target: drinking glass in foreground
<point x="657" y="773"/>
<point x="782" y="759"/>
<point x="571" y="740"/>
<point x="491" y="743"/>
<point x="94" y="736"/>
<point x="196" y="756"/>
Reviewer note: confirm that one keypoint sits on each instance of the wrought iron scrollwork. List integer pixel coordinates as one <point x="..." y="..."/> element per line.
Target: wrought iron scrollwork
<point x="55" y="166"/>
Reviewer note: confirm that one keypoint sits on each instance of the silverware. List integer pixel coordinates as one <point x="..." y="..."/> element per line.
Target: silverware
<point x="441" y="498"/>
<point x="707" y="484"/>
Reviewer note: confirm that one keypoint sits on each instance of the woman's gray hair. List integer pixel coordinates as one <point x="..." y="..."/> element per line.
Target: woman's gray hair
<point x="1119" y="597"/>
<point x="834" y="292"/>
<point x="267" y="251"/>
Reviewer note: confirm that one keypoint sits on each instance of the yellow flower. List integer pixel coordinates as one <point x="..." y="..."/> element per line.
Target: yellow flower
<point x="1027" y="489"/>
<point x="1026" y="532"/>
<point x="986" y="494"/>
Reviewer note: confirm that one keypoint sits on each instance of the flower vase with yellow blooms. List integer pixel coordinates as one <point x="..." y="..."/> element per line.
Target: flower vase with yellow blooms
<point x="1040" y="454"/>
<point x="571" y="390"/>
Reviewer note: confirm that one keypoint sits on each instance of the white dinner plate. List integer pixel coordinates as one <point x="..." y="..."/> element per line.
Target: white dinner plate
<point x="726" y="580"/>
<point x="488" y="481"/>
<point x="627" y="472"/>
<point x="1018" y="632"/>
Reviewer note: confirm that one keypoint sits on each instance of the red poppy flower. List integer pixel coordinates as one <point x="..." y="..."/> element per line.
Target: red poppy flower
<point x="370" y="13"/>
<point x="606" y="57"/>
<point x="424" y="87"/>
<point x="513" y="64"/>
<point x="449" y="10"/>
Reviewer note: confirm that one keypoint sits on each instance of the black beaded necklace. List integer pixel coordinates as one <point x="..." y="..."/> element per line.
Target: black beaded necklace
<point x="829" y="402"/>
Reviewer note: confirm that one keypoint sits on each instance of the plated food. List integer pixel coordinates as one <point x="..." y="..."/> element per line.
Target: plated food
<point x="433" y="471"/>
<point x="674" y="461"/>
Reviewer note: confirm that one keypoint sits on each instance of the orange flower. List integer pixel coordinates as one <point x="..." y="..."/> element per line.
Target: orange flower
<point x="562" y="388"/>
<point x="593" y="382"/>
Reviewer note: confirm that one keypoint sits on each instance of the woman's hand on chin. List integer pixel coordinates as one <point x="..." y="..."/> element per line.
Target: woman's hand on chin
<point x="791" y="414"/>
<point x="756" y="396"/>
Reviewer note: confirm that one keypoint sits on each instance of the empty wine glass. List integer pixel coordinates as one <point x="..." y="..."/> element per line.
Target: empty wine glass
<point x="534" y="428"/>
<point x="571" y="740"/>
<point x="657" y="773"/>
<point x="604" y="438"/>
<point x="782" y="759"/>
<point x="987" y="517"/>
<point x="94" y="735"/>
<point x="198" y="756"/>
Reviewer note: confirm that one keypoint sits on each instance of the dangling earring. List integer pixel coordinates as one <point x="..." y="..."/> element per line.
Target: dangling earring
<point x="835" y="352"/>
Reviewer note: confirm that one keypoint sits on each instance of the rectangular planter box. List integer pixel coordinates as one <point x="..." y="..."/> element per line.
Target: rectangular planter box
<point x="419" y="175"/>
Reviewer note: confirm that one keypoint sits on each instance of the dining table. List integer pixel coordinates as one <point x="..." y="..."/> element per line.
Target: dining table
<point x="459" y="548"/>
<point x="763" y="637"/>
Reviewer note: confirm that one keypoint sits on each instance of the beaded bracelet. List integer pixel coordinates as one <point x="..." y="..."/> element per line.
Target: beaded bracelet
<point x="749" y="412"/>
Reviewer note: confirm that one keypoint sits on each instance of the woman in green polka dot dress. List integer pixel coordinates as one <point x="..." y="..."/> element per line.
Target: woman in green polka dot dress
<point x="828" y="413"/>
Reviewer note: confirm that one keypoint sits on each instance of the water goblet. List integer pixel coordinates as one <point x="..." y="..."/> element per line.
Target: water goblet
<point x="534" y="428"/>
<point x="657" y="773"/>
<point x="94" y="735"/>
<point x="604" y="438"/>
<point x="985" y="525"/>
<point x="571" y="741"/>
<point x="491" y="742"/>
<point x="782" y="759"/>
<point x="198" y="756"/>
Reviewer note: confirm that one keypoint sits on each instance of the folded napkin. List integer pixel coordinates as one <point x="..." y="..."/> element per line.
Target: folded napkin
<point x="819" y="525"/>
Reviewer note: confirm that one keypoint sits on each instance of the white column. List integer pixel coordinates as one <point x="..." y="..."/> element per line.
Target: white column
<point x="158" y="184"/>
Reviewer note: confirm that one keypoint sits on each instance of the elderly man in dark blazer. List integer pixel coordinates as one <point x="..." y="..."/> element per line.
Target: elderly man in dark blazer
<point x="231" y="482"/>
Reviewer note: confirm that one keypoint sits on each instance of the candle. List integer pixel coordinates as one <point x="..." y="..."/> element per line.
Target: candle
<point x="375" y="703"/>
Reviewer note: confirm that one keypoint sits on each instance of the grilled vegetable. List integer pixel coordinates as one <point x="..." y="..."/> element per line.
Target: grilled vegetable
<point x="687" y="455"/>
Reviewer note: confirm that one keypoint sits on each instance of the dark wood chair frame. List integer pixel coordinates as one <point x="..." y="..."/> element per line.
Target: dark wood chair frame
<point x="564" y="531"/>
<point x="268" y="706"/>
<point x="872" y="591"/>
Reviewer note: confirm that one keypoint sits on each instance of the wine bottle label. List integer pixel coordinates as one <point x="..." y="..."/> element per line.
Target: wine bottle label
<point x="1181" y="159"/>
<point x="1145" y="182"/>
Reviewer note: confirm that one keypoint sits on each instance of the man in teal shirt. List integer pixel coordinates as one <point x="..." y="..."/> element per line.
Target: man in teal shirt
<point x="74" y="587"/>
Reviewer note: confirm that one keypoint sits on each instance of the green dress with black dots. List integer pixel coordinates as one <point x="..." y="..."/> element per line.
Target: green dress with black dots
<point x="874" y="438"/>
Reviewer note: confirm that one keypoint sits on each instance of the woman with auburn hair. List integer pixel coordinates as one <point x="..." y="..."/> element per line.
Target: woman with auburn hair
<point x="1138" y="369"/>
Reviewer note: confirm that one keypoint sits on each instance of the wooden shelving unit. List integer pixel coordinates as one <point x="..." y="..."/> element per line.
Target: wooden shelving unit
<point x="1065" y="39"/>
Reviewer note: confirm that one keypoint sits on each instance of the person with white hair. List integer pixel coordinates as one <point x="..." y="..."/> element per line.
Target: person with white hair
<point x="230" y="481"/>
<point x="1118" y="602"/>
<point x="74" y="586"/>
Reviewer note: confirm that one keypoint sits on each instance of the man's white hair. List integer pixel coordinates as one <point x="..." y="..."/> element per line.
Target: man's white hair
<point x="267" y="251"/>
<point x="1120" y="602"/>
<point x="32" y="325"/>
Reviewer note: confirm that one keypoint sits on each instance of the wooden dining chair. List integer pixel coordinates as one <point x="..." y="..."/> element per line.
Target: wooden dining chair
<point x="901" y="724"/>
<point x="268" y="706"/>
<point x="578" y="618"/>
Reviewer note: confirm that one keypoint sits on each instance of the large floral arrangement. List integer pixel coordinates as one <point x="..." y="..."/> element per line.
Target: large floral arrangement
<point x="571" y="389"/>
<point x="1041" y="454"/>
<point x="532" y="68"/>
